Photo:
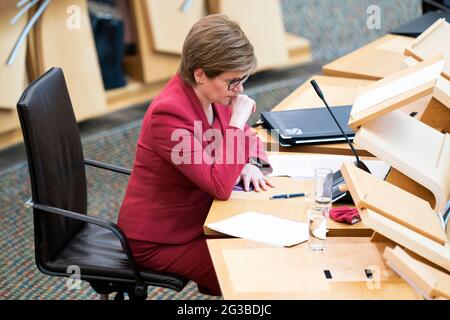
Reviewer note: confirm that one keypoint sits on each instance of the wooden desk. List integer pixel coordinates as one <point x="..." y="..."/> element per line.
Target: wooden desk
<point x="338" y="91"/>
<point x="252" y="270"/>
<point x="294" y="209"/>
<point x="374" y="61"/>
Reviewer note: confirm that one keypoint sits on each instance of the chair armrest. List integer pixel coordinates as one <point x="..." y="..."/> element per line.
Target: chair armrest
<point x="99" y="222"/>
<point x="107" y="166"/>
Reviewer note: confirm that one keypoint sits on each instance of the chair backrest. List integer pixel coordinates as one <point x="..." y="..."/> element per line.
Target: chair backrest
<point x="55" y="160"/>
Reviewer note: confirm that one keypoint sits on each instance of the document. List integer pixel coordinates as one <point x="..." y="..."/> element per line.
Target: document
<point x="263" y="228"/>
<point x="304" y="165"/>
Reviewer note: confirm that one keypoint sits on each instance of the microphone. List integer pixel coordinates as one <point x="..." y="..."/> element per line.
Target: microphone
<point x="337" y="194"/>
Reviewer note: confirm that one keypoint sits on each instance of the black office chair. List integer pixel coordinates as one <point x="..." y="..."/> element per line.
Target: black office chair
<point x="65" y="236"/>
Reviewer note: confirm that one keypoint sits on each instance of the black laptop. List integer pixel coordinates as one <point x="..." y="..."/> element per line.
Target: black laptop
<point x="415" y="27"/>
<point x="312" y="125"/>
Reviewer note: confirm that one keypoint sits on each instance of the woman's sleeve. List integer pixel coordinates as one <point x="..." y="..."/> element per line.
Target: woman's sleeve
<point x="177" y="141"/>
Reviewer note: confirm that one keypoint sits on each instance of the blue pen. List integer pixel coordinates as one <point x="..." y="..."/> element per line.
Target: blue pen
<point x="290" y="195"/>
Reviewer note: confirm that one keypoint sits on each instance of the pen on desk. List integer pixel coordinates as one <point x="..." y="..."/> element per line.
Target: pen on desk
<point x="290" y="195"/>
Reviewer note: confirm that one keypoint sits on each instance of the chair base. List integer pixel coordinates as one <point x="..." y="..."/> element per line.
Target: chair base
<point x="136" y="293"/>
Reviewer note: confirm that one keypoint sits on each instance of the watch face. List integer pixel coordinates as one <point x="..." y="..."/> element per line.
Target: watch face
<point x="255" y="162"/>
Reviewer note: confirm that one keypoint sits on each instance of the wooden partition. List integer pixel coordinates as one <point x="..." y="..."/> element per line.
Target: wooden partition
<point x="63" y="37"/>
<point x="13" y="77"/>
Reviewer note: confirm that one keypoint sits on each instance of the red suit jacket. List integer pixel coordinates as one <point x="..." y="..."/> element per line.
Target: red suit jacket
<point x="167" y="200"/>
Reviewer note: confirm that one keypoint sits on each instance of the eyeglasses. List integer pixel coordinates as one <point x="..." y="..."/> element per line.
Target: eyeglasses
<point x="233" y="84"/>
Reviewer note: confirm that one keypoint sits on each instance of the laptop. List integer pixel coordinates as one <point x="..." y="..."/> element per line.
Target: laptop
<point x="312" y="125"/>
<point x="415" y="27"/>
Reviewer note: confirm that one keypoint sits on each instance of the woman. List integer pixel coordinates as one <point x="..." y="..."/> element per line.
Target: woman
<point x="194" y="146"/>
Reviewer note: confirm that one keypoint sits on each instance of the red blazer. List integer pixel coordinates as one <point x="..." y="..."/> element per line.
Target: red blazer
<point x="167" y="202"/>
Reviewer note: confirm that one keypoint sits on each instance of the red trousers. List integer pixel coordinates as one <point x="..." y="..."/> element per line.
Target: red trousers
<point x="190" y="260"/>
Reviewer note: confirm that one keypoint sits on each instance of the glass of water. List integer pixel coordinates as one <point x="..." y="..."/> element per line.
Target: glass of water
<point x="317" y="222"/>
<point x="323" y="186"/>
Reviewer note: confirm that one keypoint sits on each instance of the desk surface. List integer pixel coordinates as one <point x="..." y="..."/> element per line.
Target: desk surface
<point x="252" y="270"/>
<point x="294" y="208"/>
<point x="373" y="61"/>
<point x="338" y="92"/>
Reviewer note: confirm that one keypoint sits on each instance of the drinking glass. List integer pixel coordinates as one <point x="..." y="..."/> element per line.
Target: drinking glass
<point x="317" y="223"/>
<point x="323" y="182"/>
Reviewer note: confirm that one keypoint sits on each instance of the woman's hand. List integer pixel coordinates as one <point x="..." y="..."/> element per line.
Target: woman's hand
<point x="252" y="174"/>
<point x="241" y="108"/>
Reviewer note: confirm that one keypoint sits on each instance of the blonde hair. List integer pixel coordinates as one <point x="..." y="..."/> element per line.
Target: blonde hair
<point x="216" y="45"/>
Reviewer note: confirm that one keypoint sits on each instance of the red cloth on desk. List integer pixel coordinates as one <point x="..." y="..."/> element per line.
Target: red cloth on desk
<point x="345" y="214"/>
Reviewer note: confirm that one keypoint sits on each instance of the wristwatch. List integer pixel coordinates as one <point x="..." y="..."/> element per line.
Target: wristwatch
<point x="256" y="162"/>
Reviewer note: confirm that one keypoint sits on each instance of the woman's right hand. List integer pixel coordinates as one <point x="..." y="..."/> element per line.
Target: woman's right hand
<point x="241" y="108"/>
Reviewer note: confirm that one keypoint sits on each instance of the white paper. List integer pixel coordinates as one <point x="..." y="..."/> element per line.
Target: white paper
<point x="263" y="228"/>
<point x="305" y="165"/>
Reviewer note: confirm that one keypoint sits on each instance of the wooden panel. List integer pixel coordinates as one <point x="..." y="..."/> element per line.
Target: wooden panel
<point x="10" y="138"/>
<point x="442" y="88"/>
<point x="251" y="270"/>
<point x="374" y="61"/>
<point x="169" y="25"/>
<point x="404" y="182"/>
<point x="8" y="120"/>
<point x="155" y="66"/>
<point x="410" y="146"/>
<point x="437" y="116"/>
<point x="72" y="49"/>
<point x="403" y="94"/>
<point x="299" y="50"/>
<point x="432" y="282"/>
<point x="133" y="67"/>
<point x="132" y="94"/>
<point x="33" y="68"/>
<point x="392" y="202"/>
<point x="448" y="232"/>
<point x="434" y="40"/>
<point x="297" y="45"/>
<point x="294" y="209"/>
<point x="419" y="244"/>
<point x="12" y="77"/>
<point x="262" y="22"/>
<point x="442" y="91"/>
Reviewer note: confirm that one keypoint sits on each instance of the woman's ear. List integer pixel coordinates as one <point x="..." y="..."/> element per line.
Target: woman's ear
<point x="199" y="76"/>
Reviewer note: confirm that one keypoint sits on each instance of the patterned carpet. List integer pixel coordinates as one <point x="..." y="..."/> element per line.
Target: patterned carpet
<point x="338" y="31"/>
<point x="19" y="277"/>
<point x="336" y="27"/>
